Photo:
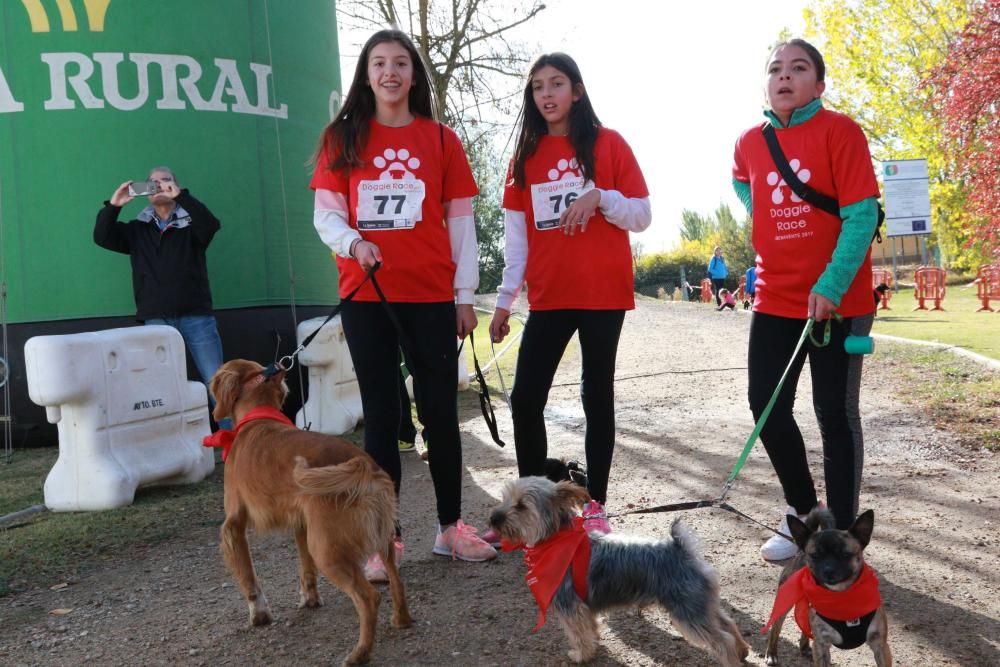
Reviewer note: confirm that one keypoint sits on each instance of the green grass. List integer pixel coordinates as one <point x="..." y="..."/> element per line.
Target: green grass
<point x="959" y="324"/>
<point x="959" y="394"/>
<point x="61" y="546"/>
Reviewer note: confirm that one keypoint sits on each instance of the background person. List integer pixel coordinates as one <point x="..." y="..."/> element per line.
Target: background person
<point x="717" y="272"/>
<point x="166" y="245"/>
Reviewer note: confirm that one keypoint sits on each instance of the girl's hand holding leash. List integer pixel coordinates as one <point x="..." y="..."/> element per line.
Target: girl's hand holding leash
<point x="578" y="213"/>
<point x="820" y="307"/>
<point x="367" y="254"/>
<point x="465" y="319"/>
<point x="500" y="326"/>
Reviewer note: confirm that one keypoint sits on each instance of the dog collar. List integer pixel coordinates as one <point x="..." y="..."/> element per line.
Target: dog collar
<point x="224" y="437"/>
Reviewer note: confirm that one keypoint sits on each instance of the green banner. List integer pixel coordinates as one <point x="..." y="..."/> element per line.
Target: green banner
<point x="231" y="94"/>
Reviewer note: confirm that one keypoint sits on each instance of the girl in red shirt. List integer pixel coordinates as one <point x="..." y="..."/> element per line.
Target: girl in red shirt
<point x="809" y="264"/>
<point x="574" y="192"/>
<point x="394" y="186"/>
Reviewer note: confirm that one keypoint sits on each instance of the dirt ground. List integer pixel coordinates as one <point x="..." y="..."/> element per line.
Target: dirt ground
<point x="680" y="428"/>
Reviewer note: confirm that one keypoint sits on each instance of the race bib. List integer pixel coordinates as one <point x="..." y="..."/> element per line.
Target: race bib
<point x="389" y="205"/>
<point x="549" y="200"/>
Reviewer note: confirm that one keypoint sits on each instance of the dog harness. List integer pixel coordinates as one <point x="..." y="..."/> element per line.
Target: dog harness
<point x="224" y="437"/>
<point x="849" y="612"/>
<point x="549" y="561"/>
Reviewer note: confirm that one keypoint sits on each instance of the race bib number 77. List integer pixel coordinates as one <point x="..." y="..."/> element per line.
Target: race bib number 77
<point x="549" y="200"/>
<point x="389" y="205"/>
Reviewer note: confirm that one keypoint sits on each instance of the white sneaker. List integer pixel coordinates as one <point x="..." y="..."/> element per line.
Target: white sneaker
<point x="779" y="548"/>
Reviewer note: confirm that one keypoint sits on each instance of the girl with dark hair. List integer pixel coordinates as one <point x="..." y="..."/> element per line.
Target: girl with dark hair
<point x="574" y="192"/>
<point x="394" y="186"/>
<point x="810" y="263"/>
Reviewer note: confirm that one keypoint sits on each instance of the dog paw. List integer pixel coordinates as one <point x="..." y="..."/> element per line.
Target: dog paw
<point x="357" y="658"/>
<point x="771" y="660"/>
<point x="261" y="617"/>
<point x="309" y="600"/>
<point x="401" y="620"/>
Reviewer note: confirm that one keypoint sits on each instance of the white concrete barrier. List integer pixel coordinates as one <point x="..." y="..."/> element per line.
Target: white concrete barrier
<point x="334" y="402"/>
<point x="126" y="414"/>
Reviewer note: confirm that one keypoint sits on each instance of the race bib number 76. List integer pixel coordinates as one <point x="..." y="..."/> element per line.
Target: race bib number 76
<point x="388" y="205"/>
<point x="549" y="200"/>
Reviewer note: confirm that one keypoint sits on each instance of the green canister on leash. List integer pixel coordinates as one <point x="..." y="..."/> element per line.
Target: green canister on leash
<point x="859" y="345"/>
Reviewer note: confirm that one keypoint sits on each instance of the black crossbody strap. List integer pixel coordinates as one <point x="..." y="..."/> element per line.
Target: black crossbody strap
<point x="817" y="199"/>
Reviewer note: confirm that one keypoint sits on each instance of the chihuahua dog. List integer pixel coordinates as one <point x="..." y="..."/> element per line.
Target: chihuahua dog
<point x="834" y="591"/>
<point x="536" y="513"/>
<point x="339" y="504"/>
<point x="559" y="470"/>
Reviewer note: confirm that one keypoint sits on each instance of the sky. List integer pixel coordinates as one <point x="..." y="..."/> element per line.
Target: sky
<point x="679" y="81"/>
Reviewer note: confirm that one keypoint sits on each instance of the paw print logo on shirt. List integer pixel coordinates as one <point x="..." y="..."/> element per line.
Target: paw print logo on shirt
<point x="565" y="169"/>
<point x="774" y="179"/>
<point x="396" y="165"/>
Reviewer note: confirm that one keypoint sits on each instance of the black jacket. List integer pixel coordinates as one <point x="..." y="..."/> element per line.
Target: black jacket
<point x="169" y="272"/>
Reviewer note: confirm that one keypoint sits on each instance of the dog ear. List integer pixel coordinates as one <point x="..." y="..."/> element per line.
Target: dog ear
<point x="800" y="531"/>
<point x="571" y="496"/>
<point x="862" y="528"/>
<point x="225" y="388"/>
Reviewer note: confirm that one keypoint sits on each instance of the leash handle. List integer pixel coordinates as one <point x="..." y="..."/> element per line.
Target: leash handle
<point x="806" y="332"/>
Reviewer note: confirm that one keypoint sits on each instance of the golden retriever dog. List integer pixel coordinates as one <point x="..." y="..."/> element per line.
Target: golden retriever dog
<point x="339" y="504"/>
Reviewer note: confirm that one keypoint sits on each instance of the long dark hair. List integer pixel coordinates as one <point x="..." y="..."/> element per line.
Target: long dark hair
<point x="583" y="122"/>
<point x="346" y="137"/>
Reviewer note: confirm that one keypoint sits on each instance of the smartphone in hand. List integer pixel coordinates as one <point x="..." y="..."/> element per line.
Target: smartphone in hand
<point x="142" y="188"/>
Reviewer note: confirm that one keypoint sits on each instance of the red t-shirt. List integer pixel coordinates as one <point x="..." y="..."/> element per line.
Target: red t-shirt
<point x="396" y="201"/>
<point x="795" y="240"/>
<point x="590" y="270"/>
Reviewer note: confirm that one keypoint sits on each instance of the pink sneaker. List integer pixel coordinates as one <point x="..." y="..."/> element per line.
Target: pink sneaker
<point x="375" y="569"/>
<point x="492" y="538"/>
<point x="595" y="519"/>
<point x="461" y="541"/>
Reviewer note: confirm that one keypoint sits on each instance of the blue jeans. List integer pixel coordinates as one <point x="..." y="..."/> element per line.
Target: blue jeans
<point x="202" y="340"/>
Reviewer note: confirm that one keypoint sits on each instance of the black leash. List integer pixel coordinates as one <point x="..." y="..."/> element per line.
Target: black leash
<point x="287" y="362"/>
<point x="485" y="405"/>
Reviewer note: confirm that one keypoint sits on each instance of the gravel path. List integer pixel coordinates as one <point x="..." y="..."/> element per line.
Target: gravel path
<point x="681" y="425"/>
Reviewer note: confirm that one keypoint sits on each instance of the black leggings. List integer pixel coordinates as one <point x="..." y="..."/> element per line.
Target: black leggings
<point x="374" y="345"/>
<point x="546" y="334"/>
<point x="718" y="284"/>
<point x="836" y="382"/>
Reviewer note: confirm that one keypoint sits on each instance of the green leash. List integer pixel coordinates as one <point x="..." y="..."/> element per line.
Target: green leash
<point x="752" y="440"/>
<point x="720" y="502"/>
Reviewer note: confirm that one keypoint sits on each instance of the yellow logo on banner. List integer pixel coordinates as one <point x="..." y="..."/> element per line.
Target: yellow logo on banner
<point x="96" y="9"/>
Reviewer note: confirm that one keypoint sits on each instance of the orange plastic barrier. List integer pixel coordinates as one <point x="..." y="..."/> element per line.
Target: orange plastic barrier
<point x="883" y="277"/>
<point x="741" y="291"/>
<point x="930" y="286"/>
<point x="987" y="285"/>
<point x="706" y="290"/>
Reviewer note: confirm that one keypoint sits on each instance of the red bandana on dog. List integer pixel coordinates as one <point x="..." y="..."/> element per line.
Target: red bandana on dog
<point x="224" y="437"/>
<point x="801" y="591"/>
<point x="548" y="562"/>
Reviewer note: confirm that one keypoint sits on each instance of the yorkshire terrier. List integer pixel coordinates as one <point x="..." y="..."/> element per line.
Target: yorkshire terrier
<point x="623" y="571"/>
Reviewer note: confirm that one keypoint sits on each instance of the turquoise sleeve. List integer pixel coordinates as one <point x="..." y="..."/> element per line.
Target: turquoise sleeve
<point x="743" y="192"/>
<point x="859" y="220"/>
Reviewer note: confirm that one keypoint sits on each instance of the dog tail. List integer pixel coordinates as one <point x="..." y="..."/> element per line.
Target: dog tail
<point x="348" y="482"/>
<point x="685" y="539"/>
<point x="820" y="518"/>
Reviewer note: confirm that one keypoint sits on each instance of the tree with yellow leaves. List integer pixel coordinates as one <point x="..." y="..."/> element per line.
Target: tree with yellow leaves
<point x="879" y="55"/>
